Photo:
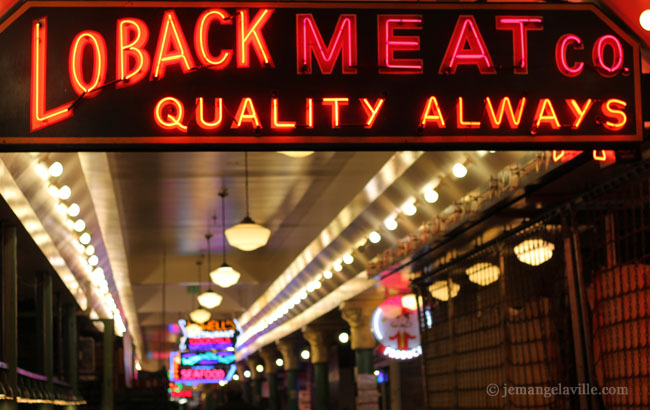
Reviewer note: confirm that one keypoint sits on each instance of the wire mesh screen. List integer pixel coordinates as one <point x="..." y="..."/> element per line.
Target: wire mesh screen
<point x="499" y="317"/>
<point x="614" y="241"/>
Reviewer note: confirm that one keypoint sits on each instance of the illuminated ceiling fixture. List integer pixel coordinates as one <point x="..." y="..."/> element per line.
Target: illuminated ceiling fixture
<point x="644" y="19"/>
<point x="390" y="223"/>
<point x="259" y="368"/>
<point x="305" y="354"/>
<point x="193" y="329"/>
<point x="56" y="169"/>
<point x="409" y="207"/>
<point x="431" y="195"/>
<point x="247" y="235"/>
<point x="279" y="362"/>
<point x="224" y="276"/>
<point x="374" y="237"/>
<point x="200" y="315"/>
<point x="296" y="154"/>
<point x="208" y="299"/>
<point x="534" y="252"/>
<point x="459" y="170"/>
<point x="441" y="291"/>
<point x="483" y="273"/>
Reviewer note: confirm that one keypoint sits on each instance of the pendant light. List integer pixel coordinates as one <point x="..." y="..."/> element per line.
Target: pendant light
<point x="224" y="276"/>
<point x="247" y="235"/>
<point x="209" y="299"/>
<point x="199" y="315"/>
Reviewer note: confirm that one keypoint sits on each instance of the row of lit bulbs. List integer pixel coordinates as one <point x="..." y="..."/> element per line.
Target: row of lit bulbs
<point x="70" y="216"/>
<point x="409" y="208"/>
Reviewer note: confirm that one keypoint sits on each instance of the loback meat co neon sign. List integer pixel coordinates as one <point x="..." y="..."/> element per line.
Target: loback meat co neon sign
<point x="309" y="74"/>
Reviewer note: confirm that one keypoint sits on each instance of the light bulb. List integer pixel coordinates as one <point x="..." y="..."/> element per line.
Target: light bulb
<point x="374" y="237"/>
<point x="42" y="171"/>
<point x="93" y="260"/>
<point x="431" y="196"/>
<point x="73" y="210"/>
<point x="235" y="377"/>
<point x="409" y="208"/>
<point x="247" y="374"/>
<point x="259" y="368"/>
<point x="390" y="223"/>
<point x="90" y="250"/>
<point x="644" y="19"/>
<point x="305" y="354"/>
<point x="459" y="170"/>
<point x="85" y="238"/>
<point x="56" y="169"/>
<point x="79" y="247"/>
<point x="65" y="192"/>
<point x="62" y="208"/>
<point x="279" y="362"/>
<point x="79" y="225"/>
<point x="53" y="191"/>
<point x="337" y="265"/>
<point x="344" y="337"/>
<point x="327" y="274"/>
<point x="348" y="258"/>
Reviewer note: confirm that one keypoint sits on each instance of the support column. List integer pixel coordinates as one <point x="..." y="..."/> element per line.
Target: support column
<point x="245" y="383"/>
<point x="10" y="313"/>
<point x="318" y="342"/>
<point x="257" y="381"/>
<point x="46" y="330"/>
<point x="291" y="365"/>
<point x="107" y="386"/>
<point x="269" y="355"/>
<point x="71" y="350"/>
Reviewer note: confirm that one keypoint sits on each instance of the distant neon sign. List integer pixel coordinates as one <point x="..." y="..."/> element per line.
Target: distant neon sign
<point x="302" y="73"/>
<point x="395" y="326"/>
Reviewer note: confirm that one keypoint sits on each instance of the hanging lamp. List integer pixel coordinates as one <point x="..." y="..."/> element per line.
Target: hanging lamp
<point x="208" y="299"/>
<point x="199" y="315"/>
<point x="247" y="235"/>
<point x="224" y="276"/>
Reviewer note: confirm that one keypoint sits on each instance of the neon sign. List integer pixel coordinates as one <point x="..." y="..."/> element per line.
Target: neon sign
<point x="303" y="74"/>
<point x="395" y="326"/>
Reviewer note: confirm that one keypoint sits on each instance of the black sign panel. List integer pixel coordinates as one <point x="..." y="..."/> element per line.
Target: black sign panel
<point x="99" y="75"/>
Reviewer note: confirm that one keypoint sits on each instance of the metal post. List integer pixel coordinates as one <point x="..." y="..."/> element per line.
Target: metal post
<point x="257" y="392"/>
<point x="292" y="389"/>
<point x="71" y="353"/>
<point x="107" y="386"/>
<point x="321" y="382"/>
<point x="365" y="361"/>
<point x="10" y="313"/>
<point x="274" y="399"/>
<point x="507" y="346"/>
<point x="45" y="321"/>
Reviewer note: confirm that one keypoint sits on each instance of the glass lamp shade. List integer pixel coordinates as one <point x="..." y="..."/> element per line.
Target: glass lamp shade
<point x="200" y="315"/>
<point x="534" y="252"/>
<point x="193" y="330"/>
<point x="247" y="235"/>
<point x="209" y="299"/>
<point x="441" y="291"/>
<point x="296" y="154"/>
<point x="483" y="273"/>
<point x="224" y="276"/>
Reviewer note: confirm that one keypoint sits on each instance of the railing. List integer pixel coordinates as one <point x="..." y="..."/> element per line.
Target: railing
<point x="33" y="388"/>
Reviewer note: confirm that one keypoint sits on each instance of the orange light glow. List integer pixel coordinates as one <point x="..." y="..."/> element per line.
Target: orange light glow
<point x="75" y="62"/>
<point x="432" y="113"/>
<point x="604" y="155"/>
<point x="520" y="26"/>
<point x="249" y="33"/>
<point x="565" y="156"/>
<point x="505" y="108"/>
<point x="246" y="113"/>
<point x="275" y="122"/>
<point x="201" y="46"/>
<point x="460" y="121"/>
<point x="200" y="116"/>
<point x="343" y="42"/>
<point x="335" y="103"/>
<point x="467" y="47"/>
<point x="613" y="109"/>
<point x="132" y="37"/>
<point x="598" y="55"/>
<point x="560" y="55"/>
<point x="39" y="116"/>
<point x="545" y="114"/>
<point x="557" y="155"/>
<point x="172" y="47"/>
<point x="388" y="43"/>
<point x="371" y="110"/>
<point x="310" y="113"/>
<point x="168" y="114"/>
<point x="579" y="112"/>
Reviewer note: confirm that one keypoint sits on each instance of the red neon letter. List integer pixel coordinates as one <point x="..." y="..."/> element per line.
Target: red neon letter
<point x="172" y="47"/>
<point x="598" y="55"/>
<point x="520" y="26"/>
<point x="514" y="119"/>
<point x="460" y="122"/>
<point x="201" y="31"/>
<point x="200" y="116"/>
<point x="434" y="116"/>
<point x="250" y="33"/>
<point x="560" y="55"/>
<point x="75" y="62"/>
<point x="168" y="114"/>
<point x="335" y="103"/>
<point x="132" y="36"/>
<point x="343" y="42"/>
<point x="613" y="109"/>
<point x="467" y="47"/>
<point x="275" y="122"/>
<point x="388" y="43"/>
<point x="546" y="114"/>
<point x="39" y="116"/>
<point x="579" y="112"/>
<point x="371" y="110"/>
<point x="246" y="113"/>
<point x="310" y="113"/>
